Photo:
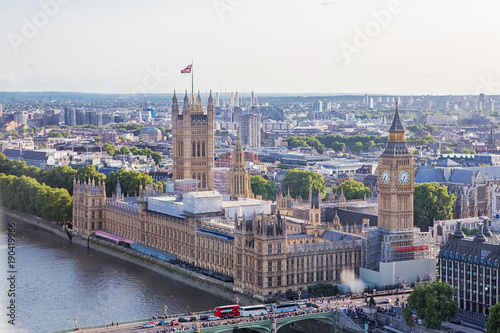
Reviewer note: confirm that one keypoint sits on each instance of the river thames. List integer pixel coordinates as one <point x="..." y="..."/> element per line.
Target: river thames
<point x="57" y="281"/>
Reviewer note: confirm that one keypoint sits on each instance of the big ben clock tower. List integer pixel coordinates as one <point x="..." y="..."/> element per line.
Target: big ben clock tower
<point x="395" y="180"/>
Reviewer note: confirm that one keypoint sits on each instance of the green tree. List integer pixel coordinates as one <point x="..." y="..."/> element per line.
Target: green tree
<point x="431" y="202"/>
<point x="299" y="182"/>
<point x="124" y="150"/>
<point x="433" y="302"/>
<point x="89" y="172"/>
<point x="357" y="147"/>
<point x="110" y="148"/>
<point x="339" y="147"/>
<point x="54" y="135"/>
<point x="354" y="190"/>
<point x="324" y="289"/>
<point x="447" y="151"/>
<point x="493" y="323"/>
<point x="156" y="157"/>
<point x="294" y="142"/>
<point x="262" y="186"/>
<point x="65" y="134"/>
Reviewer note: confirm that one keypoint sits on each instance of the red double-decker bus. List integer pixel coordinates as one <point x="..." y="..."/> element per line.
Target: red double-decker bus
<point x="227" y="310"/>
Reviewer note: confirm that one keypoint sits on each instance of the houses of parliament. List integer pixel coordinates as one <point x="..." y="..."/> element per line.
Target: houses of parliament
<point x="260" y="244"/>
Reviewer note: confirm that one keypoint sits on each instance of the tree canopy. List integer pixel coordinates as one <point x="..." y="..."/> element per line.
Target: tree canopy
<point x="129" y="182"/>
<point x="26" y="195"/>
<point x="431" y="202"/>
<point x="299" y="182"/>
<point x="493" y="323"/>
<point x="264" y="187"/>
<point x="353" y="190"/>
<point x="433" y="302"/>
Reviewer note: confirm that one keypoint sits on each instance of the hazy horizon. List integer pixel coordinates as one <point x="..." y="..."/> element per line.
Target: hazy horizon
<point x="340" y="47"/>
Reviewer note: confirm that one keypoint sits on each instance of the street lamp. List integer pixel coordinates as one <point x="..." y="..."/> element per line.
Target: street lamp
<point x="299" y="292"/>
<point x="237" y="300"/>
<point x="165" y="308"/>
<point x="76" y="322"/>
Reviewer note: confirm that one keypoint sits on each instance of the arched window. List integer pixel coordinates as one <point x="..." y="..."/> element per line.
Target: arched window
<point x="194" y="148"/>
<point x="204" y="180"/>
<point x="198" y="153"/>
<point x="203" y="149"/>
<point x="194" y="176"/>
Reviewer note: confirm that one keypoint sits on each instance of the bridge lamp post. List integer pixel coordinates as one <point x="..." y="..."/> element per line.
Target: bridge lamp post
<point x="76" y="321"/>
<point x="237" y="300"/>
<point x="299" y="292"/>
<point x="165" y="308"/>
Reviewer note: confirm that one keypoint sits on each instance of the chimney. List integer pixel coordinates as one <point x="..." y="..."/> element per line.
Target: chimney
<point x="480" y="237"/>
<point x="458" y="231"/>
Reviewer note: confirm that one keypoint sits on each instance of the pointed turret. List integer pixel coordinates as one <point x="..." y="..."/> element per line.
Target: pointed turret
<point x="186" y="108"/>
<point x="210" y="105"/>
<point x="175" y="105"/>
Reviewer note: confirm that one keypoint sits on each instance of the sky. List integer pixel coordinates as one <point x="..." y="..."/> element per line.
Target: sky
<point x="404" y="47"/>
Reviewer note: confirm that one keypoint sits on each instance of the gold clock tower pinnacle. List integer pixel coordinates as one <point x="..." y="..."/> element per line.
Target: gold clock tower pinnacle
<point x="396" y="180"/>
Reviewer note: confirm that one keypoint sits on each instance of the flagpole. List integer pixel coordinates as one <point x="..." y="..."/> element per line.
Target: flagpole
<point x="192" y="84"/>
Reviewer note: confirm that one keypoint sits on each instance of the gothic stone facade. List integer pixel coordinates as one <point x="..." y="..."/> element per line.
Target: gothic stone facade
<point x="256" y="252"/>
<point x="193" y="141"/>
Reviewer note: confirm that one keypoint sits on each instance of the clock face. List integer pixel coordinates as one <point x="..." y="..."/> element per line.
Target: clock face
<point x="404" y="177"/>
<point x="385" y="177"/>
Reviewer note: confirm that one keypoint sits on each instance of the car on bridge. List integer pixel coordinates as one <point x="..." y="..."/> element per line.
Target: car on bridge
<point x="163" y="322"/>
<point x="210" y="318"/>
<point x="182" y="320"/>
<point x="148" y="324"/>
<point x="174" y="323"/>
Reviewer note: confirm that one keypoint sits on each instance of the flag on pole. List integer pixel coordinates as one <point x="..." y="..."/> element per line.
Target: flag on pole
<point x="187" y="69"/>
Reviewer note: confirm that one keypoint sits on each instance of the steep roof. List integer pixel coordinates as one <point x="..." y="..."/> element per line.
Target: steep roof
<point x="429" y="175"/>
<point x="447" y="163"/>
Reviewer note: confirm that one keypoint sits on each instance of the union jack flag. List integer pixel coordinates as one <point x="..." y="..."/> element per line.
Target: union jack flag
<point x="187" y="69"/>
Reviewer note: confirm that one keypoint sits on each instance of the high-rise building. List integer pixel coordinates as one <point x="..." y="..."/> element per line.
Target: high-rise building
<point x="239" y="179"/>
<point x="250" y="130"/>
<point x="95" y="118"/>
<point x="318" y="106"/>
<point x="396" y="180"/>
<point x="193" y="141"/>
<point x="69" y="116"/>
<point x="21" y="117"/>
<point x="81" y="118"/>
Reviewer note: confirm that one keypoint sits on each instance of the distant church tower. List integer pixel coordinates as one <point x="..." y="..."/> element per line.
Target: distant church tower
<point x="396" y="180"/>
<point x="239" y="180"/>
<point x="193" y="141"/>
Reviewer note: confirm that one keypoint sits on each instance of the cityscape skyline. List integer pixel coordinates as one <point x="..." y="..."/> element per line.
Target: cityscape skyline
<point x="298" y="47"/>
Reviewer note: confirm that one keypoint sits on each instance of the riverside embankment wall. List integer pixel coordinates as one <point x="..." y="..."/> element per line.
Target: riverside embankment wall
<point x="174" y="272"/>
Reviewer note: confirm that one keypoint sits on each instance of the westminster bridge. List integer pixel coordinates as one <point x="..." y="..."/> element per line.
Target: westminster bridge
<point x="262" y="324"/>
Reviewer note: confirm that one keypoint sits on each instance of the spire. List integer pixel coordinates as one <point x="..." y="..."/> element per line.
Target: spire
<point x="396" y="122"/>
<point x="238" y="135"/>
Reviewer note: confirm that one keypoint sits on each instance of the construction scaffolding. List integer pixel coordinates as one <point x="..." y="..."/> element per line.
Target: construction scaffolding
<point x="386" y="245"/>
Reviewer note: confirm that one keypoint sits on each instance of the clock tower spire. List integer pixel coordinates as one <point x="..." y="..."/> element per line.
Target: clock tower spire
<point x="395" y="180"/>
